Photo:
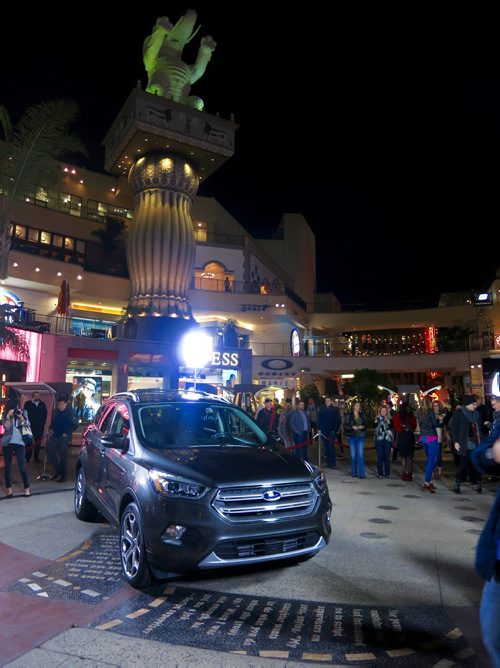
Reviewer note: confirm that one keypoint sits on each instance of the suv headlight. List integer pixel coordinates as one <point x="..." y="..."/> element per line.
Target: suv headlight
<point x="320" y="482"/>
<point x="173" y="486"/>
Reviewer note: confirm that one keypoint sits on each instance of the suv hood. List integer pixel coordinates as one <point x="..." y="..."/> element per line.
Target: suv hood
<point x="222" y="465"/>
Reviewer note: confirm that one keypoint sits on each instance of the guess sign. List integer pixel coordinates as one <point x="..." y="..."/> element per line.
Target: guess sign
<point x="229" y="360"/>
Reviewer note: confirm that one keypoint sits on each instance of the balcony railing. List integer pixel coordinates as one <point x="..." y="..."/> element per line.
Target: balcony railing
<point x="238" y="287"/>
<point x="283" y="350"/>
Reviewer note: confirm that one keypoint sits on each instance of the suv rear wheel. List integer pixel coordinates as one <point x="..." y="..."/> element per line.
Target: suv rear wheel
<point x="84" y="510"/>
<point x="132" y="549"/>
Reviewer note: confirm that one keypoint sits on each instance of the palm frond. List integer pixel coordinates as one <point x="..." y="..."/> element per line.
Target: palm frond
<point x="15" y="342"/>
<point x="6" y="123"/>
<point x="41" y="136"/>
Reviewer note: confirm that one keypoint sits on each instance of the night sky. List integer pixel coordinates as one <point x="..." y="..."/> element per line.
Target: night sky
<point x="383" y="129"/>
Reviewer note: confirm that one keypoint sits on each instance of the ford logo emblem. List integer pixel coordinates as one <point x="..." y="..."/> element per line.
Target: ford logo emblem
<point x="271" y="495"/>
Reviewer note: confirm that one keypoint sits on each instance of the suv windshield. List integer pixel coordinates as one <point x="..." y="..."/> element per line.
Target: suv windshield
<point x="186" y="424"/>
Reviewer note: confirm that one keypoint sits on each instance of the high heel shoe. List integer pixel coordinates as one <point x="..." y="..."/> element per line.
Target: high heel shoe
<point x="429" y="487"/>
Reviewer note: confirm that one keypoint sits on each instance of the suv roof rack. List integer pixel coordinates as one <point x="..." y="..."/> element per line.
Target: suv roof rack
<point x="131" y="395"/>
<point x="138" y="396"/>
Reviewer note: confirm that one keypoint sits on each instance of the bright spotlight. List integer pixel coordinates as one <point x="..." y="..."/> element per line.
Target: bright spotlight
<point x="196" y="350"/>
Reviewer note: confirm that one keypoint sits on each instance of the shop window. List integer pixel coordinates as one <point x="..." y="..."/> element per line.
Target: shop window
<point x="20" y="232"/>
<point x="44" y="237"/>
<point x="57" y="240"/>
<point x="69" y="244"/>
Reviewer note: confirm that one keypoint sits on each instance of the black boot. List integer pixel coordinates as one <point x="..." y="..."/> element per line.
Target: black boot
<point x="456" y="488"/>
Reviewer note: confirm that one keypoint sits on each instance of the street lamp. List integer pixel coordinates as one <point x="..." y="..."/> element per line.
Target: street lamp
<point x="436" y="387"/>
<point x="381" y="387"/>
<point x="196" y="350"/>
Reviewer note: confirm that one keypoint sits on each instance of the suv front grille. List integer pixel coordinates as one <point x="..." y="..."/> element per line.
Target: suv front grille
<point x="262" y="547"/>
<point x="269" y="503"/>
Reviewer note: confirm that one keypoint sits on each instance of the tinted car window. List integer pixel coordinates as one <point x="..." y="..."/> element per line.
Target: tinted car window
<point x="106" y="421"/>
<point x="121" y="421"/>
<point x="174" y="425"/>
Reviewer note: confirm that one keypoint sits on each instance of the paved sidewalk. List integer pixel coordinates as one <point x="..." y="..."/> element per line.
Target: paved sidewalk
<point x="394" y="547"/>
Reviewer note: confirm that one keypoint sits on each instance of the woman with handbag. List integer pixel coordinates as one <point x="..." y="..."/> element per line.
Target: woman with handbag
<point x="15" y="421"/>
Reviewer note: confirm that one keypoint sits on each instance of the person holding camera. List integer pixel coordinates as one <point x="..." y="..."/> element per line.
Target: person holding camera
<point x="13" y="444"/>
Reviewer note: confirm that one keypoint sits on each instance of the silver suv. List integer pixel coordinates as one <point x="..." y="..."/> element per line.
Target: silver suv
<point x="193" y="482"/>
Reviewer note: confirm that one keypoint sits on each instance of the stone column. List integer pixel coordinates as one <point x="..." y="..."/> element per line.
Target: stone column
<point x="161" y="247"/>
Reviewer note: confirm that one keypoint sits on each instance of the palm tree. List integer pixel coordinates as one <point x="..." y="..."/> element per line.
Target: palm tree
<point x="111" y="235"/>
<point x="27" y="158"/>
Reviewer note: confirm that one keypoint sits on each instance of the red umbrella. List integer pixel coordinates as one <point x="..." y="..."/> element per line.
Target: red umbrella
<point x="63" y="302"/>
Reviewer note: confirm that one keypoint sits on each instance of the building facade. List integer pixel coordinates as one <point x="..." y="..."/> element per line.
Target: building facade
<point x="255" y="297"/>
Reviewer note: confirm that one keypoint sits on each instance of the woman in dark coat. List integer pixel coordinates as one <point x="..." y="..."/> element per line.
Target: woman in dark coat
<point x="405" y="423"/>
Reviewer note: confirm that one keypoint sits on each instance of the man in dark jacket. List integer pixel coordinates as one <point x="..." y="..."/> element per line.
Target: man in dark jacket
<point x="62" y="426"/>
<point x="37" y="415"/>
<point x="268" y="419"/>
<point x="486" y="457"/>
<point x="465" y="433"/>
<point x="300" y="425"/>
<point x="329" y="424"/>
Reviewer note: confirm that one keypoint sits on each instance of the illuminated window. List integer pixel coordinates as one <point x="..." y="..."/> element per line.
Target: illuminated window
<point x="69" y="244"/>
<point x="20" y="232"/>
<point x="99" y="210"/>
<point x="71" y="204"/>
<point x="213" y="277"/>
<point x="41" y="197"/>
<point x="45" y="237"/>
<point x="33" y="235"/>
<point x="200" y="231"/>
<point x="57" y="240"/>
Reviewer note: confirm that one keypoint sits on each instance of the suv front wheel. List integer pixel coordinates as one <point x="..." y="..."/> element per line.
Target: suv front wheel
<point x="84" y="510"/>
<point x="132" y="549"/>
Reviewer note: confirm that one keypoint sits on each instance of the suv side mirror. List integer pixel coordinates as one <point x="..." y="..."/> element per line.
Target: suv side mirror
<point x="115" y="441"/>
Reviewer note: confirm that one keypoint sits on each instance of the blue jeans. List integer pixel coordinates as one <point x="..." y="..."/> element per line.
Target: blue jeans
<point x="439" y="456"/>
<point x="356" y="448"/>
<point x="383" y="457"/>
<point x="9" y="451"/>
<point x="301" y="438"/>
<point x="329" y="443"/>
<point x="489" y="615"/>
<point x="431" y="451"/>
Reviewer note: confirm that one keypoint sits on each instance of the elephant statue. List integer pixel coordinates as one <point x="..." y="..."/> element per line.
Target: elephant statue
<point x="168" y="75"/>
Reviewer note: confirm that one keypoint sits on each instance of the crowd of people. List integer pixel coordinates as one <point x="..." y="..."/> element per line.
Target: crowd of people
<point x="23" y="432"/>
<point x="471" y="432"/>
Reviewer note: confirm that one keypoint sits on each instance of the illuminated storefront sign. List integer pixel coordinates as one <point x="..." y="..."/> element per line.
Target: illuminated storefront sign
<point x="227" y="360"/>
<point x="7" y="297"/>
<point x="277" y="364"/>
<point x="295" y="342"/>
